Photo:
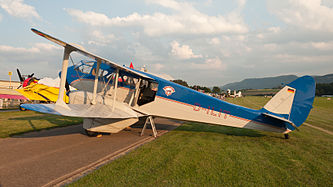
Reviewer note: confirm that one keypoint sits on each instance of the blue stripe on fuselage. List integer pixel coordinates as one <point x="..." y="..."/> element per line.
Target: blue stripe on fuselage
<point x="197" y="99"/>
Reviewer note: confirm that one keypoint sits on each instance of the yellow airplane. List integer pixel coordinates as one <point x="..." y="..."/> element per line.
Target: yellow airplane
<point x="32" y="90"/>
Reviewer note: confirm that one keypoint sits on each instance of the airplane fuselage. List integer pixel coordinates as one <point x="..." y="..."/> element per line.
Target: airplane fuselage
<point x="174" y="101"/>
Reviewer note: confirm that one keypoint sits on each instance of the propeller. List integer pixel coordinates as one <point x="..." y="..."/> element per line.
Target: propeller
<point x="19" y="75"/>
<point x="31" y="75"/>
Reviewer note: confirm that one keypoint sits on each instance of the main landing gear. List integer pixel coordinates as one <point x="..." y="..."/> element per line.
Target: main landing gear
<point x="91" y="133"/>
<point x="149" y="120"/>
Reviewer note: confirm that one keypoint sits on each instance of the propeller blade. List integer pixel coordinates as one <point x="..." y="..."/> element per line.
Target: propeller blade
<point x="32" y="74"/>
<point x="19" y="75"/>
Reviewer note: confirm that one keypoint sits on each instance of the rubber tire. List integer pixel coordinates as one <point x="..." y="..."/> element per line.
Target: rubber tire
<point x="91" y="133"/>
<point x="22" y="109"/>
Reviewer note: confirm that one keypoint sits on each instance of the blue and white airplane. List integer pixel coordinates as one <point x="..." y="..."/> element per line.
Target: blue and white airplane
<point x="111" y="97"/>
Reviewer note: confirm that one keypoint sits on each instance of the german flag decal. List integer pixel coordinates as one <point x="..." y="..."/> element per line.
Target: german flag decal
<point x="291" y="90"/>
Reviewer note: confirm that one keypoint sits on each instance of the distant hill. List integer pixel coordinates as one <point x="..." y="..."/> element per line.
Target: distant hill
<point x="324" y="79"/>
<point x="271" y="82"/>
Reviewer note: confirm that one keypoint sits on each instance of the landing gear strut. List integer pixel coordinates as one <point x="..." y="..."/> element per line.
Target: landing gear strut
<point x="286" y="136"/>
<point x="152" y="124"/>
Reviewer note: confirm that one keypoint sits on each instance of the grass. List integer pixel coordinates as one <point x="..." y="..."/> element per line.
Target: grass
<point x="204" y="155"/>
<point x="18" y="122"/>
<point x="321" y="115"/>
<point x="254" y="102"/>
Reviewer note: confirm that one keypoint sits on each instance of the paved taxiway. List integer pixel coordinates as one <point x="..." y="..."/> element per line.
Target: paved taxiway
<point x="42" y="158"/>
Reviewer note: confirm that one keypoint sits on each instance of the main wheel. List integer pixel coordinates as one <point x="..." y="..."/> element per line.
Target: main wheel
<point x="22" y="109"/>
<point x="91" y="133"/>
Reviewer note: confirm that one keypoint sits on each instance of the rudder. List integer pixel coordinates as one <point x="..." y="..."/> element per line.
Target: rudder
<point x="294" y="101"/>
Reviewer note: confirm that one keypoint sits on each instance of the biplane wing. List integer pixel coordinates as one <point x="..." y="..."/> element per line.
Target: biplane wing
<point x="83" y="110"/>
<point x="87" y="54"/>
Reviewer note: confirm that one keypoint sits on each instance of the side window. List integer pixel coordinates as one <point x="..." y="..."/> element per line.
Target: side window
<point x="129" y="81"/>
<point x="102" y="73"/>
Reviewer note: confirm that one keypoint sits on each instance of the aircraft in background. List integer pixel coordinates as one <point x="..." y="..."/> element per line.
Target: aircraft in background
<point x="111" y="97"/>
<point x="34" y="91"/>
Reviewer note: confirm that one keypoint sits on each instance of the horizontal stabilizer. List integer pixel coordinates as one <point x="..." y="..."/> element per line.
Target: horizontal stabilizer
<point x="84" y="110"/>
<point x="280" y="118"/>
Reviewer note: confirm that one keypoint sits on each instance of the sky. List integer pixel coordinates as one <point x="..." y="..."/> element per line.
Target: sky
<point x="206" y="42"/>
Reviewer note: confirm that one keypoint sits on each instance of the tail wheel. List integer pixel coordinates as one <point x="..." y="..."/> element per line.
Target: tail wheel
<point x="286" y="136"/>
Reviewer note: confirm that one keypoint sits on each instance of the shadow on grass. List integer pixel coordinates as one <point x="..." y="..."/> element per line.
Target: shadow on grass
<point x="54" y="121"/>
<point x="200" y="127"/>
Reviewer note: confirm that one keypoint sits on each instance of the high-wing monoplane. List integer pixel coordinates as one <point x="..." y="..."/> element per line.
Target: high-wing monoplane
<point x="111" y="97"/>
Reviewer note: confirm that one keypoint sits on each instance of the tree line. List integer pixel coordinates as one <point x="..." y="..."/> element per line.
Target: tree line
<point x="321" y="88"/>
<point x="324" y="89"/>
<point x="215" y="89"/>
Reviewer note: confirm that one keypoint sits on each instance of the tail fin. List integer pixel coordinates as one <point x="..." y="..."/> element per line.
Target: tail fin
<point x="293" y="102"/>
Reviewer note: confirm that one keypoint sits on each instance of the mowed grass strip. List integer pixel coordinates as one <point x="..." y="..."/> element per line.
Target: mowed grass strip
<point x="204" y="155"/>
<point x="17" y="122"/>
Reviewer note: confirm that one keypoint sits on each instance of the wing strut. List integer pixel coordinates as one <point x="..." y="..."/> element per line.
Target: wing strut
<point x="115" y="90"/>
<point x="96" y="81"/>
<point x="60" y="101"/>
<point x="135" y="98"/>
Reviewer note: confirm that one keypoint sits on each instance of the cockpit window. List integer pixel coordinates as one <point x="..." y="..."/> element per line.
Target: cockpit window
<point x="85" y="68"/>
<point x="102" y="72"/>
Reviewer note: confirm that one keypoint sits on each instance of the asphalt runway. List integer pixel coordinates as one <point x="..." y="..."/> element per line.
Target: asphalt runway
<point x="50" y="156"/>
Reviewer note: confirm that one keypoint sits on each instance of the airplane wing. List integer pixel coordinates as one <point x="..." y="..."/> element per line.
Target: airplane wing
<point x="88" y="54"/>
<point x="83" y="110"/>
<point x="41" y="92"/>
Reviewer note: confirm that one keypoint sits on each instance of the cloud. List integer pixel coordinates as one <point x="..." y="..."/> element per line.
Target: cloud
<point x="214" y="41"/>
<point x="184" y="19"/>
<point x="210" y="64"/>
<point x="166" y="76"/>
<point x="310" y="14"/>
<point x="89" y="17"/>
<point x="100" y="39"/>
<point x="301" y="59"/>
<point x="19" y="9"/>
<point x="182" y="52"/>
<point x="157" y="67"/>
<point x="41" y="58"/>
<point x="274" y="29"/>
<point x="323" y="45"/>
<point x="16" y="50"/>
<point x="241" y="3"/>
<point x="37" y="48"/>
<point x="163" y="76"/>
<point x="47" y="46"/>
